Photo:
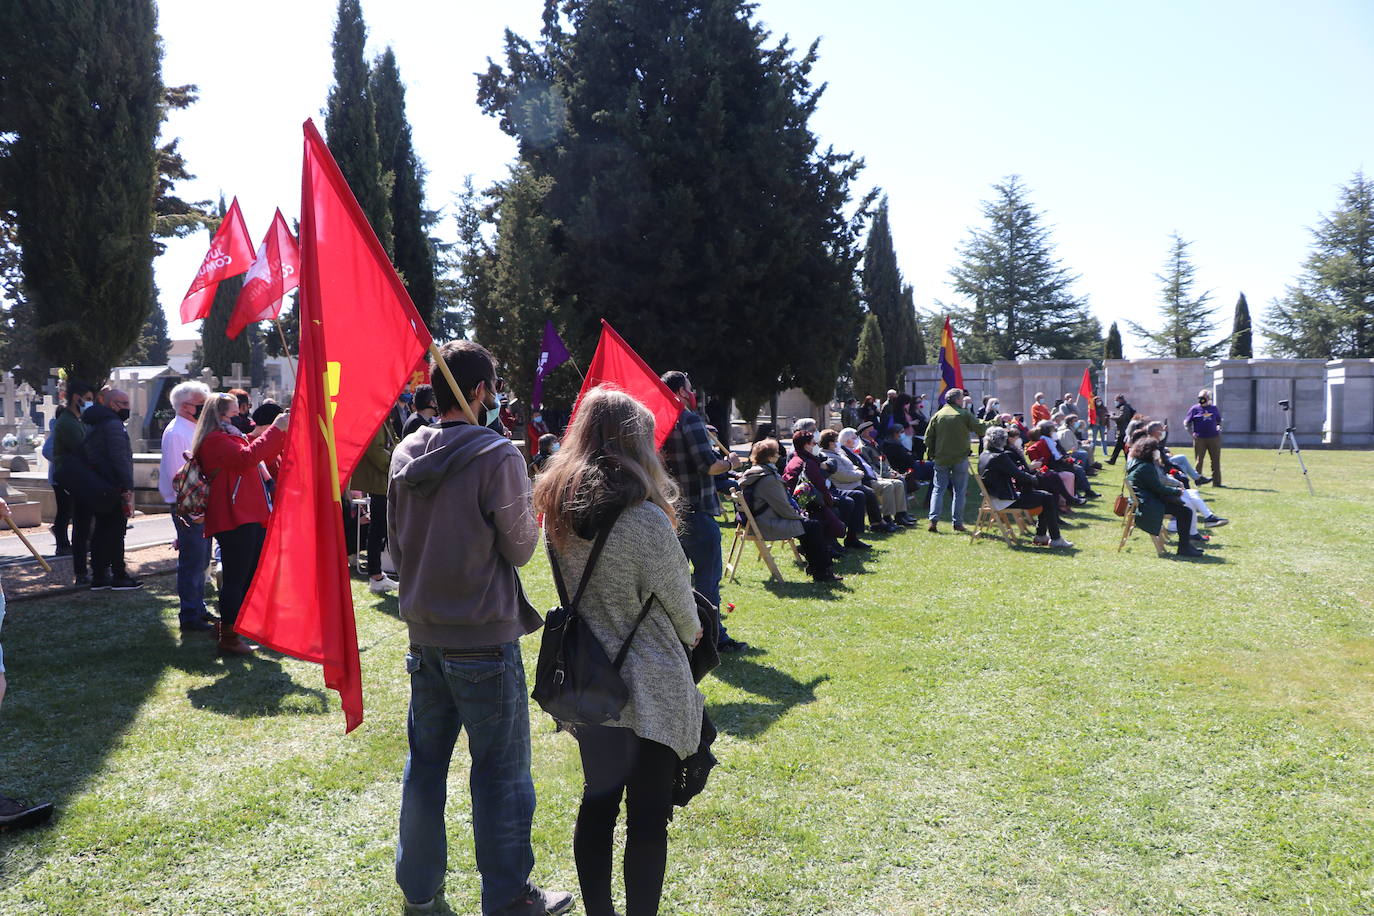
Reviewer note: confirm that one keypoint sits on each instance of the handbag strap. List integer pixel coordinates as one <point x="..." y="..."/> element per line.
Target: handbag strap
<point x="597" y="546"/>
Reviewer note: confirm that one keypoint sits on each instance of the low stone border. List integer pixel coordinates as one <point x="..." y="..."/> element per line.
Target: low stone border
<point x="27" y="579"/>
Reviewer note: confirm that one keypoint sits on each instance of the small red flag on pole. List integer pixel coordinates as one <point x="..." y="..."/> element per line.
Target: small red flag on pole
<point x="231" y="251"/>
<point x="1085" y="394"/>
<point x="360" y="338"/>
<point x="275" y="272"/>
<point x="615" y="365"/>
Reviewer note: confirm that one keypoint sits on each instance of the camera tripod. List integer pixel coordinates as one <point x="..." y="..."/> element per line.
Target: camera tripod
<point x="1290" y="442"/>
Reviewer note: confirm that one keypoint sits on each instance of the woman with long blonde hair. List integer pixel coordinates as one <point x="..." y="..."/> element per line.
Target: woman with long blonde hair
<point x="607" y="473"/>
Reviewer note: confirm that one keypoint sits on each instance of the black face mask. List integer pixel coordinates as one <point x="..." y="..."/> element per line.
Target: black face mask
<point x="196" y="412"/>
<point x="1202" y="400"/>
<point x="123" y="414"/>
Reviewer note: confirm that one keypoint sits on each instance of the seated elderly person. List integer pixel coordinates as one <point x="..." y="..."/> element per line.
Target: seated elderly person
<point x="848" y="508"/>
<point x="1042" y="447"/>
<point x="777" y="513"/>
<point x="1155" y="498"/>
<point x="1176" y="477"/>
<point x="891" y="492"/>
<point x="849" y="477"/>
<point x="1068" y="436"/>
<point x="870" y="451"/>
<point x="1045" y="479"/>
<point x="1010" y="486"/>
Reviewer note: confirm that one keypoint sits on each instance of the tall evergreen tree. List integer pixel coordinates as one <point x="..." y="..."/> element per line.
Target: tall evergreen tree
<point x="1021" y="301"/>
<point x="1242" y="338"/>
<point x="1329" y="311"/>
<point x="153" y="345"/>
<point x="412" y="252"/>
<point x="870" y="363"/>
<point x="350" y="122"/>
<point x="81" y="95"/>
<point x="919" y="356"/>
<point x="688" y="193"/>
<point x="1187" y="318"/>
<point x="1112" y="348"/>
<point x="888" y="298"/>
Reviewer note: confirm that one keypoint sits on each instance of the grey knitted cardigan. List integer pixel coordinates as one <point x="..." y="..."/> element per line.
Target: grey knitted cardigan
<point x="642" y="557"/>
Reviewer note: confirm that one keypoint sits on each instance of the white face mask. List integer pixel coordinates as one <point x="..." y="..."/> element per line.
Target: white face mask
<point x="553" y="448"/>
<point x="812" y="450"/>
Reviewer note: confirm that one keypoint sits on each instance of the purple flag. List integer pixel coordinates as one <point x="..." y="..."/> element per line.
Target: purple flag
<point x="552" y="354"/>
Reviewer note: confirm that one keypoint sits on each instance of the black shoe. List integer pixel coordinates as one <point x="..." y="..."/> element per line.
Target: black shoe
<point x="908" y="520"/>
<point x="857" y="544"/>
<point x="826" y="578"/>
<point x="1112" y="461"/>
<point x="100" y="584"/>
<point x="959" y="527"/>
<point x="197" y="626"/>
<point x="730" y="645"/>
<point x="537" y="902"/>
<point x="20" y="812"/>
<point x="1188" y="548"/>
<point x="83" y="580"/>
<point x="933" y="528"/>
<point x="63" y="550"/>
<point x="1201" y="479"/>
<point x="125" y="584"/>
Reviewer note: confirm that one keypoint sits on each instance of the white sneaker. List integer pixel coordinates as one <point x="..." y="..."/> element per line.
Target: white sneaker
<point x="384" y="584"/>
<point x="1061" y="543"/>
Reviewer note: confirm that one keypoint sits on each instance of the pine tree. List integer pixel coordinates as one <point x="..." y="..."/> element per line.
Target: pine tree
<point x="1022" y="304"/>
<point x="870" y="363"/>
<point x="919" y="356"/>
<point x="81" y="92"/>
<point x="350" y="122"/>
<point x="412" y="254"/>
<point x="1329" y="311"/>
<point x="888" y="298"/>
<point x="688" y="193"/>
<point x="1187" y="319"/>
<point x="1112" y="348"/>
<point x="1242" y="342"/>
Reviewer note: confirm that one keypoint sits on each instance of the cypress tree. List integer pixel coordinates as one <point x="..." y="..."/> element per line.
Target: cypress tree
<point x="81" y="92"/>
<point x="1242" y="338"/>
<point x="412" y="252"/>
<point x="153" y="346"/>
<point x="350" y="121"/>
<point x="870" y="363"/>
<point x="888" y="298"/>
<point x="1187" y="318"/>
<point x="1112" y="348"/>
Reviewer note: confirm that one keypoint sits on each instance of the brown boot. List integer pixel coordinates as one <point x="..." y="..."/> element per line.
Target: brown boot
<point x="227" y="642"/>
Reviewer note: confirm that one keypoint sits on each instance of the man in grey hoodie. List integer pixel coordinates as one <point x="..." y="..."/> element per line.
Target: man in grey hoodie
<point x="460" y="523"/>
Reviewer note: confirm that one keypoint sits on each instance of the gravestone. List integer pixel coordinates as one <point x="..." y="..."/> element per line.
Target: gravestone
<point x="237" y="379"/>
<point x="209" y="378"/>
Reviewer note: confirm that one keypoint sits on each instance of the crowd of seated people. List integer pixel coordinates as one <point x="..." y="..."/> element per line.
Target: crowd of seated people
<point x="1165" y="484"/>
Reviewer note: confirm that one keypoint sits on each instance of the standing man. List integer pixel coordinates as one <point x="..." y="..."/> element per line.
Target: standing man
<point x="1122" y="419"/>
<point x="460" y="524"/>
<point x="1204" y="422"/>
<point x="111" y="456"/>
<point x="193" y="550"/>
<point x="694" y="463"/>
<point x="947" y="445"/>
<point x="69" y="437"/>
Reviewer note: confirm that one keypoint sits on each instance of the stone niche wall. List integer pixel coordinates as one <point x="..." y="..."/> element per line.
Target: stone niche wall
<point x="1349" y="403"/>
<point x="1162" y="389"/>
<point x="1018" y="382"/>
<point x="1248" y="392"/>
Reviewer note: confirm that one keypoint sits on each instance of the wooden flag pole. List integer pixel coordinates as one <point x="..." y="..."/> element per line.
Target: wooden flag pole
<point x="286" y="350"/>
<point x="36" y="555"/>
<point x="452" y="383"/>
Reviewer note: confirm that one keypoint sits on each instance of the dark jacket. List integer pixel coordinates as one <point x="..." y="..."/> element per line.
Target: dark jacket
<point x="815" y="471"/>
<point x="370" y="475"/>
<point x="1003" y="475"/>
<point x="107" y="447"/>
<point x="1122" y="417"/>
<point x="898" y="456"/>
<point x="1154" y="497"/>
<point x="69" y="437"/>
<point x="460" y="522"/>
<point x="775" y="512"/>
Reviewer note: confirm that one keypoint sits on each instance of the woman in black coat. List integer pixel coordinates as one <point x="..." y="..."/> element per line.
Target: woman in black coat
<point x="1010" y="486"/>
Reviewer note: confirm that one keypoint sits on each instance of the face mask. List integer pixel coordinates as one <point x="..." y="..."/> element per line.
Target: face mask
<point x="491" y="414"/>
<point x="812" y="450"/>
<point x="536" y="418"/>
<point x="196" y="411"/>
<point x="1039" y="400"/>
<point x="85" y="405"/>
<point x="123" y="414"/>
<point x="553" y="448"/>
<point x="1202" y="400"/>
<point x="906" y="441"/>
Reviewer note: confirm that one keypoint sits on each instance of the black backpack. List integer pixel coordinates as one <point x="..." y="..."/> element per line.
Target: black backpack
<point x="574" y="680"/>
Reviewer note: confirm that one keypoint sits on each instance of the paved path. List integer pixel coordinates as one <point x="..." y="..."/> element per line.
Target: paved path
<point x="147" y="530"/>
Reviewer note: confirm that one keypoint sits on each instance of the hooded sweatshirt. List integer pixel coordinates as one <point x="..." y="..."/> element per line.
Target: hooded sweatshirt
<point x="460" y="522"/>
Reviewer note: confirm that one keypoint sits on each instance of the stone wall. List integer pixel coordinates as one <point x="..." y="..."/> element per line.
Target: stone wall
<point x="1248" y="392"/>
<point x="1162" y="389"/>
<point x="1349" y="403"/>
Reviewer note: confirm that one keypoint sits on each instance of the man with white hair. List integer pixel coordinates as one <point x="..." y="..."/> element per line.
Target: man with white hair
<point x="193" y="549"/>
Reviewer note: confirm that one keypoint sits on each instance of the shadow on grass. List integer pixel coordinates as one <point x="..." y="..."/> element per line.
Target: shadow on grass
<point x="257" y="685"/>
<point x="79" y="668"/>
<point x="780" y="691"/>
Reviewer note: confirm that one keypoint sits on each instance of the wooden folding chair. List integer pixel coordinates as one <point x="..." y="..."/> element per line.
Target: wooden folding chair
<point x="749" y="532"/>
<point x="1128" y="525"/>
<point x="1002" y="518"/>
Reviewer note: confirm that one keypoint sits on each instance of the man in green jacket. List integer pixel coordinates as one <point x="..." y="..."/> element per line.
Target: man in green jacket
<point x="947" y="446"/>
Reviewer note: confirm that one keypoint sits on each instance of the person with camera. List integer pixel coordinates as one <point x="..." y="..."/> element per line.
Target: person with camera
<point x="1204" y="422"/>
<point x="460" y="525"/>
<point x="608" y="477"/>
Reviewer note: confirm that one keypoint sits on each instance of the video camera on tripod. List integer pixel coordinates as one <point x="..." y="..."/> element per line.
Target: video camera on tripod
<point x="1290" y="441"/>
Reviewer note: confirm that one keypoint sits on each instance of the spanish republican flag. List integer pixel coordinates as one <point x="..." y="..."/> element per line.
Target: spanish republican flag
<point x="951" y="376"/>
<point x="360" y="337"/>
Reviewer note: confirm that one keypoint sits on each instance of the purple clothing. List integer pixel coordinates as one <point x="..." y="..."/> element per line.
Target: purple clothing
<point x="1204" y="420"/>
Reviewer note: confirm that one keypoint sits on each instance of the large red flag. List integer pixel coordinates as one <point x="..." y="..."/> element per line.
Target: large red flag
<point x="230" y="252"/>
<point x="275" y="272"/>
<point x="1085" y="394"/>
<point x="360" y="338"/>
<point x="615" y="365"/>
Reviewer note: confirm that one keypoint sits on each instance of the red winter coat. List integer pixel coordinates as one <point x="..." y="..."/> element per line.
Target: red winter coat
<point x="237" y="494"/>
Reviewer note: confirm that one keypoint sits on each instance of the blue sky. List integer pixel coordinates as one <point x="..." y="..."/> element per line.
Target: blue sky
<point x="1233" y="124"/>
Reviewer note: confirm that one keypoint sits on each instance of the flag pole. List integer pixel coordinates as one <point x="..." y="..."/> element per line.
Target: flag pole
<point x="285" y="349"/>
<point x="452" y="383"/>
<point x="574" y="365"/>
<point x="36" y="555"/>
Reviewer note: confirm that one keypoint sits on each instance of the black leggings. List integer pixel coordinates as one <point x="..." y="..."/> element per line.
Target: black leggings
<point x="814" y="547"/>
<point x="107" y="545"/>
<point x="616" y="761"/>
<point x="238" y="556"/>
<point x="1047" y="522"/>
<point x="376" y="533"/>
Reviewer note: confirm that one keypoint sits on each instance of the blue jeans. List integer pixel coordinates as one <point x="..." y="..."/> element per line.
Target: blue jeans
<point x="700" y="540"/>
<point x="193" y="556"/>
<point x="2" y="623"/>
<point x="483" y="691"/>
<point x="947" y="478"/>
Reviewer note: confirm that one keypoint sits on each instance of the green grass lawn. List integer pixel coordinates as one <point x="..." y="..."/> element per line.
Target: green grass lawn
<point x="958" y="729"/>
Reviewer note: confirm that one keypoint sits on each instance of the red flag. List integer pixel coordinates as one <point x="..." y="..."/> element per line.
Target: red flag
<point x="360" y="338"/>
<point x="230" y="252"/>
<point x="615" y="365"/>
<point x="1085" y="394"/>
<point x="275" y="272"/>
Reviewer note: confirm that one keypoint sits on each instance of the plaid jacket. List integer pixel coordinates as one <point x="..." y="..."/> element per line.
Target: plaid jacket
<point x="688" y="455"/>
